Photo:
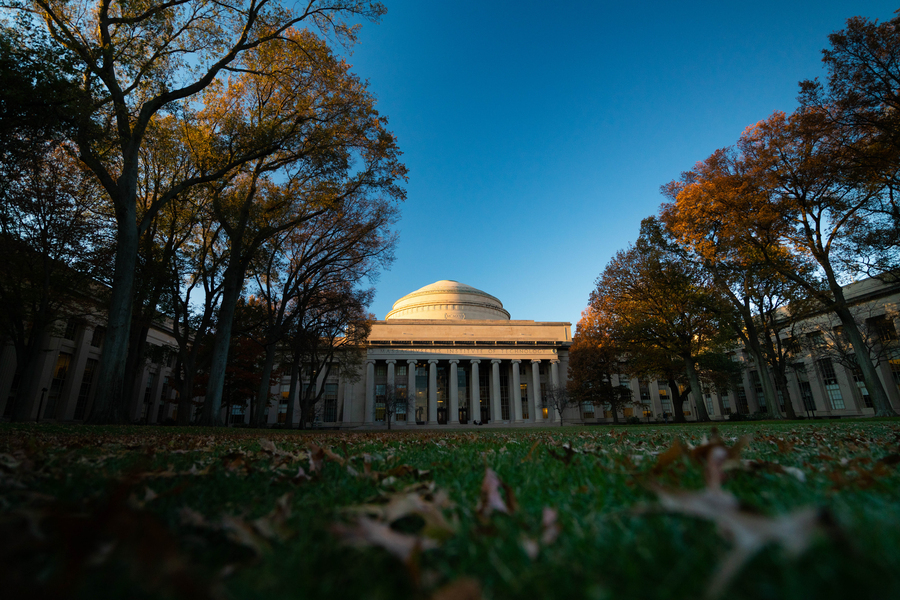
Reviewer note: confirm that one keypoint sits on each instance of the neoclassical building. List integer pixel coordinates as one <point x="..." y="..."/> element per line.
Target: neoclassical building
<point x="454" y="352"/>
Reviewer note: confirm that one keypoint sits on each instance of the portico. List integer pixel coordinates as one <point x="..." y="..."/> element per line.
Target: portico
<point x="441" y="367"/>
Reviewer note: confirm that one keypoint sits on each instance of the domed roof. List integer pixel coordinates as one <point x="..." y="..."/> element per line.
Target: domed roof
<point x="448" y="299"/>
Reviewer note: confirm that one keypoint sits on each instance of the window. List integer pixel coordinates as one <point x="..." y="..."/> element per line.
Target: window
<point x="71" y="329"/>
<point x="380" y="390"/>
<point x="861" y="390"/>
<point x="237" y="413"/>
<point x="98" y="336"/>
<point x="587" y="410"/>
<point x="894" y="361"/>
<point x="330" y="397"/>
<point x="56" y="384"/>
<point x="707" y="399"/>
<point x="644" y="387"/>
<point x="504" y="397"/>
<point x="758" y="389"/>
<point x="884" y="329"/>
<point x="829" y="379"/>
<point x="664" y="400"/>
<point x="742" y="405"/>
<point x="816" y="339"/>
<point x="726" y="403"/>
<point x="806" y="394"/>
<point x="523" y="393"/>
<point x="792" y="345"/>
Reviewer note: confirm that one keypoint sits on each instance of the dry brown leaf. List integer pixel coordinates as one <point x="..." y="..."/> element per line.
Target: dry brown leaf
<point x="748" y="531"/>
<point x="366" y="532"/>
<point x="491" y="500"/>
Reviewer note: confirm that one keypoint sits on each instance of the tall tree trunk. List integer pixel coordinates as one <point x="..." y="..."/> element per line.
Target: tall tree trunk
<point x="109" y="402"/>
<point x="231" y="292"/>
<point x="694" y="379"/>
<point x="27" y="365"/>
<point x="677" y="401"/>
<point x="292" y="392"/>
<point x="262" y="397"/>
<point x="879" y="396"/>
<point x="751" y="341"/>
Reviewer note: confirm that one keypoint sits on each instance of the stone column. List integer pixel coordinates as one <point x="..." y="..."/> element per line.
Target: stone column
<point x="390" y="381"/>
<point x="369" y="416"/>
<point x="432" y="392"/>
<point x="410" y="390"/>
<point x="536" y="396"/>
<point x="554" y="381"/>
<point x="497" y="415"/>
<point x="516" y="395"/>
<point x="474" y="403"/>
<point x="454" y="393"/>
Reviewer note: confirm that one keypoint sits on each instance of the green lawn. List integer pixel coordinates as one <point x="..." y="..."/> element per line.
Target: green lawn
<point x="574" y="512"/>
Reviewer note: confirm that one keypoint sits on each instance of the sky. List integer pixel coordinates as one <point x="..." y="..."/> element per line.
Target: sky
<point x="537" y="134"/>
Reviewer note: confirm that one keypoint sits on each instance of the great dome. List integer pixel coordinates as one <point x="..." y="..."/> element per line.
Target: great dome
<point x="448" y="299"/>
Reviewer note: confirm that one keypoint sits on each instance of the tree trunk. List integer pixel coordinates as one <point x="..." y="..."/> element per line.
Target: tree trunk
<point x="879" y="396"/>
<point x="109" y="402"/>
<point x="231" y="292"/>
<point x="292" y="393"/>
<point x="769" y="393"/>
<point x="694" y="379"/>
<point x="29" y="379"/>
<point x="262" y="397"/>
<point x="677" y="401"/>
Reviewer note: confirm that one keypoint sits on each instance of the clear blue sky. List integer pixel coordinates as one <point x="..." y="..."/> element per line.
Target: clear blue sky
<point x="537" y="134"/>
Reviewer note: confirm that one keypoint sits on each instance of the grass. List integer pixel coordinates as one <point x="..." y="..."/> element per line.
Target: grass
<point x="139" y="512"/>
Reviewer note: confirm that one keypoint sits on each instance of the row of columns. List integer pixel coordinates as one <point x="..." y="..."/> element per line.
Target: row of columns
<point x="475" y="400"/>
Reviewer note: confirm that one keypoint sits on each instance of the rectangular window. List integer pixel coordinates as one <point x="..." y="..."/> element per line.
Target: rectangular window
<point x="884" y="329"/>
<point x="504" y="397"/>
<point x="98" y="336"/>
<point x="862" y="392"/>
<point x="829" y="380"/>
<point x="56" y="384"/>
<point x="644" y="387"/>
<point x="758" y="390"/>
<point x="84" y="391"/>
<point x="330" y="397"/>
<point x="894" y="362"/>
<point x="742" y="404"/>
<point x="726" y="402"/>
<point x="380" y="389"/>
<point x="664" y="400"/>
<point x="71" y="329"/>
<point x="587" y="410"/>
<point x="523" y="394"/>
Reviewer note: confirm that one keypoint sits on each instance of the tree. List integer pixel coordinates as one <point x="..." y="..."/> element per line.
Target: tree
<point x="331" y="251"/>
<point x="329" y="334"/>
<point x="862" y="99"/>
<point x="557" y="397"/>
<point x="707" y="216"/>
<point x="594" y="358"/>
<point x="660" y="307"/>
<point x="140" y="61"/>
<point x="336" y="153"/>
<point x="800" y="167"/>
<point x="395" y="403"/>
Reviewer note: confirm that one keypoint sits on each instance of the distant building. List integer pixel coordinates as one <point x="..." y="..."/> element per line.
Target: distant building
<point x="454" y="353"/>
